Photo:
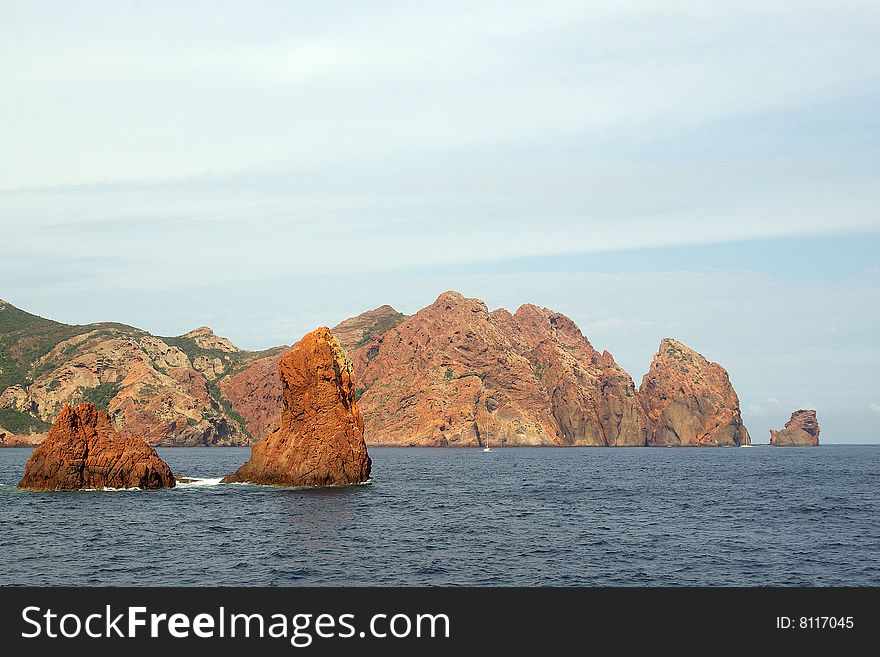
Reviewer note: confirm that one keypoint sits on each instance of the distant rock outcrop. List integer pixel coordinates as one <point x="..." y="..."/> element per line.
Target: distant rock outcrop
<point x="83" y="450"/>
<point x="9" y="439"/>
<point x="320" y="437"/>
<point x="205" y="338"/>
<point x="690" y="401"/>
<point x="802" y="430"/>
<point x="359" y="330"/>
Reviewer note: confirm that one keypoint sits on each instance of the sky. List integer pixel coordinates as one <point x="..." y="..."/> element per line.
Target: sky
<point x="650" y="169"/>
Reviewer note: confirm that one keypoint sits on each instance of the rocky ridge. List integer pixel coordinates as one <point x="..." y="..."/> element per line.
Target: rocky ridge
<point x="452" y="374"/>
<point x="455" y="374"/>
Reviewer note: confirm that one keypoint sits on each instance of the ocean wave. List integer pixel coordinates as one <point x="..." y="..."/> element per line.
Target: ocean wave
<point x="108" y="489"/>
<point x="368" y="482"/>
<point x="195" y="482"/>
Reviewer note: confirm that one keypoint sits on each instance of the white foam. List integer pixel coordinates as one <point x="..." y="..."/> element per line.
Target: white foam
<point x="196" y="481"/>
<point x="107" y="488"/>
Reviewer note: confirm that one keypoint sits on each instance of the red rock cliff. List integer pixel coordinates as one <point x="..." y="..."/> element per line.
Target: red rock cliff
<point x="84" y="450"/>
<point x="690" y="401"/>
<point x="455" y="374"/>
<point x="320" y="437"/>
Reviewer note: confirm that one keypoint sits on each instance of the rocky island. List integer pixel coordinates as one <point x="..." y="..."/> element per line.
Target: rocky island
<point x="84" y="451"/>
<point x="319" y="440"/>
<point x="802" y="430"/>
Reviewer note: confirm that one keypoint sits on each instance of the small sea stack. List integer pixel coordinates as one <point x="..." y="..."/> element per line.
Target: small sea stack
<point x="84" y="451"/>
<point x="320" y="437"/>
<point x="802" y="430"/>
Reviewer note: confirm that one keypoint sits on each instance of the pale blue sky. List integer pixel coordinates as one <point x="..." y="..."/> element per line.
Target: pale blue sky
<point x="648" y="168"/>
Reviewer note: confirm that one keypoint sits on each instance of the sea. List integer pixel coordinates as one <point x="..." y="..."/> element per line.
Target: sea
<point x="511" y="517"/>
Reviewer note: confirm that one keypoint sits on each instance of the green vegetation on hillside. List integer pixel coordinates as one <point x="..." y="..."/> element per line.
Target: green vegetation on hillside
<point x="233" y="361"/>
<point x="25" y="337"/>
<point x="101" y="394"/>
<point x="21" y="423"/>
<point x="381" y="327"/>
<point x="190" y="348"/>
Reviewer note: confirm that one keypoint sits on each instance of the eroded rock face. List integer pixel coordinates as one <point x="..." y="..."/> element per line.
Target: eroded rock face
<point x="593" y="400"/>
<point x="455" y="374"/>
<point x="690" y="401"/>
<point x="84" y="450"/>
<point x="802" y="430"/>
<point x="320" y="437"/>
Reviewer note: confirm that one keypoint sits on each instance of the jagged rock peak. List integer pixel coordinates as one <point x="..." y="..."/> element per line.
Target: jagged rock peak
<point x="205" y="338"/>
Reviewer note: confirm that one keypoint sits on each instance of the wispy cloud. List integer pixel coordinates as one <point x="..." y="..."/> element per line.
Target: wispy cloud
<point x="874" y="407"/>
<point x="150" y="92"/>
<point x="770" y="406"/>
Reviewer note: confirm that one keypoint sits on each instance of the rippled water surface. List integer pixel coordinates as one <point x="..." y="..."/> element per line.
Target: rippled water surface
<point x="760" y="516"/>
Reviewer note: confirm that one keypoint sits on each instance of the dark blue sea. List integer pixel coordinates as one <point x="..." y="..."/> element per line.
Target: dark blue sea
<point x="568" y="516"/>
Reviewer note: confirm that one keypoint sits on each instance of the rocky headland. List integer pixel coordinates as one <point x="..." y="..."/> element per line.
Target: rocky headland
<point x="9" y="439"/>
